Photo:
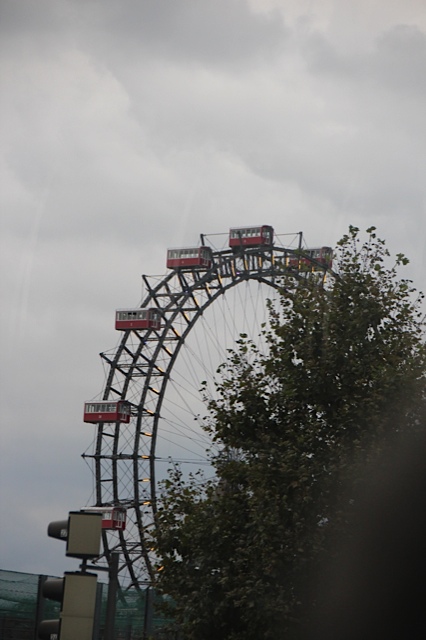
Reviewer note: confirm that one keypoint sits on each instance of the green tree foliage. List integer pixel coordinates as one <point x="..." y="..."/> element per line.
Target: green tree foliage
<point x="344" y="371"/>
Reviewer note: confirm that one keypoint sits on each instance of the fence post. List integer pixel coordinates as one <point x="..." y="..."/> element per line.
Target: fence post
<point x="147" y="622"/>
<point x="39" y="611"/>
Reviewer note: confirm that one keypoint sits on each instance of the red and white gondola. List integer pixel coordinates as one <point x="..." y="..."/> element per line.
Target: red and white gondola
<point x="198" y="257"/>
<point x="137" y="319"/>
<point x="112" y="517"/>
<point x="304" y="259"/>
<point x="262" y="236"/>
<point x="107" y="411"/>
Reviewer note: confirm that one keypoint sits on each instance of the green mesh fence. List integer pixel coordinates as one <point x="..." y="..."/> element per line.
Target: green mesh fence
<point x="136" y="617"/>
<point x="18" y="605"/>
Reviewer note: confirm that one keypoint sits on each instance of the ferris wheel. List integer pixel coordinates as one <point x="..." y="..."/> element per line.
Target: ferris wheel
<point x="151" y="411"/>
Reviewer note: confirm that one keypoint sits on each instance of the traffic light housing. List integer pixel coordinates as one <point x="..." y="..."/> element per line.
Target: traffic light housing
<point x="77" y="594"/>
<point x="76" y="591"/>
<point x="82" y="533"/>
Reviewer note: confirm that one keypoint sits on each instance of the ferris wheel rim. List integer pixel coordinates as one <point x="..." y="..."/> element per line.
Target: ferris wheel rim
<point x="236" y="268"/>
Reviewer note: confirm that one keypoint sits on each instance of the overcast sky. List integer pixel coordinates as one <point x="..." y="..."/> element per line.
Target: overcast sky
<point x="129" y="126"/>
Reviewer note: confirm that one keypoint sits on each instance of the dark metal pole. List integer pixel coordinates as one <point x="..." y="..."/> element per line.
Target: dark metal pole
<point x="40" y="604"/>
<point x="147" y="622"/>
<point x="112" y="596"/>
<point x="97" y="621"/>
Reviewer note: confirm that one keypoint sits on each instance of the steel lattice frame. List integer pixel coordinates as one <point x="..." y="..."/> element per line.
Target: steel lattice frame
<point x="139" y="371"/>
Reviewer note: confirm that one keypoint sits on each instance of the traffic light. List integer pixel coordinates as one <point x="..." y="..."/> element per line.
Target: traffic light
<point x="82" y="533"/>
<point x="76" y="591"/>
<point x="77" y="594"/>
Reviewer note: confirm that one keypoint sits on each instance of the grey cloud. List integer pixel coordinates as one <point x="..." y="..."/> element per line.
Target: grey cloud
<point x="397" y="61"/>
<point x="222" y="32"/>
<point x="25" y="15"/>
<point x="400" y="60"/>
<point x="207" y="32"/>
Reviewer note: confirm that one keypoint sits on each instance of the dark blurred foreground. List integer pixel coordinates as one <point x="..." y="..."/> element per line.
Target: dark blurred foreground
<point x="373" y="584"/>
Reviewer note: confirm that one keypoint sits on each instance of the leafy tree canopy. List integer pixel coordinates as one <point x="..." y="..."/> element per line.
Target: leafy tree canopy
<point x="343" y="373"/>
